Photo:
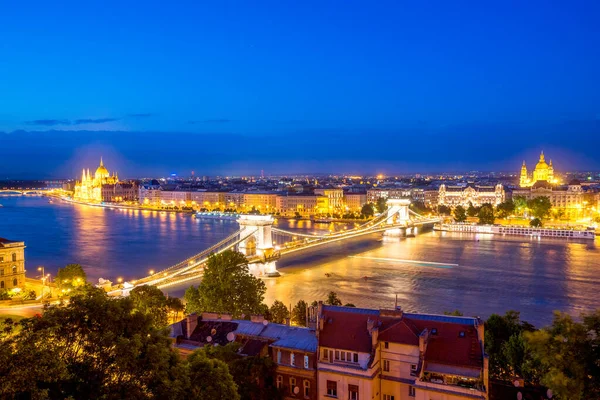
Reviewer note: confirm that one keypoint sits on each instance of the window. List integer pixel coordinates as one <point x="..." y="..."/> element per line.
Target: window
<point x="411" y="391"/>
<point x="355" y="357"/>
<point x="279" y="381"/>
<point x="386" y="365"/>
<point x="306" y="389"/>
<point x="2" y="272"/>
<point x="292" y="359"/>
<point x="349" y="357"/>
<point x="1" y="259"/>
<point x="461" y="334"/>
<point x="306" y="362"/>
<point x="15" y="282"/>
<point x="434" y="331"/>
<point x="292" y="385"/>
<point x="325" y="352"/>
<point x="332" y="388"/>
<point x="337" y="354"/>
<point x="386" y="345"/>
<point x="413" y="369"/>
<point x="14" y="257"/>
<point x="278" y="356"/>
<point x="352" y="392"/>
<point x="388" y="397"/>
<point x="14" y="269"/>
<point x="1" y="284"/>
<point x="344" y="356"/>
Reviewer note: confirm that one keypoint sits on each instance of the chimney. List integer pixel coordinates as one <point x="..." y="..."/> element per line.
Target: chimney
<point x="191" y="322"/>
<point x="257" y="318"/>
<point x="480" y="332"/>
<point x="374" y="337"/>
<point x="423" y="338"/>
<point x="370" y="325"/>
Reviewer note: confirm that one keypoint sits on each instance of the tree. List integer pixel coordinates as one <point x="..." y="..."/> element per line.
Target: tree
<point x="472" y="211"/>
<point x="455" y="313"/>
<point x="381" y="205"/>
<point x="175" y="306"/>
<point x="210" y="378"/>
<point x="71" y="277"/>
<point x="227" y="287"/>
<point x="460" y="214"/>
<point x="151" y="301"/>
<point x="252" y="374"/>
<point x="505" y="209"/>
<point x="279" y="312"/>
<point x="540" y="207"/>
<point x="563" y="350"/>
<point x="367" y="210"/>
<point x="443" y="210"/>
<point x="92" y="347"/>
<point x="333" y="299"/>
<point x="486" y="214"/>
<point x="349" y="305"/>
<point x="299" y="313"/>
<point x="419" y="207"/>
<point x="536" y="223"/>
<point x="520" y="204"/>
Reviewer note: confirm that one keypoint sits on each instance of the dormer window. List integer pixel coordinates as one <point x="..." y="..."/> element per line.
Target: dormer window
<point x="461" y="334"/>
<point x="434" y="331"/>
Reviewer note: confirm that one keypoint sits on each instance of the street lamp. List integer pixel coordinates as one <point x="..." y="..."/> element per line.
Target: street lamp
<point x="41" y="268"/>
<point x="151" y="272"/>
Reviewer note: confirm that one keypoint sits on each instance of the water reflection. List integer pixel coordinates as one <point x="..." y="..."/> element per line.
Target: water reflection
<point x="533" y="276"/>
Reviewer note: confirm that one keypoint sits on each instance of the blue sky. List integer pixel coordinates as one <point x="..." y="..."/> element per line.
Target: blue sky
<point x="341" y="86"/>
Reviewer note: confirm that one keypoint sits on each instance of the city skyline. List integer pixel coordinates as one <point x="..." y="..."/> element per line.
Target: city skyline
<point x="297" y="89"/>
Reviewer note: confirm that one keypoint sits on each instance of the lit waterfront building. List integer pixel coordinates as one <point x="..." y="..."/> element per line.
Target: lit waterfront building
<point x="566" y="200"/>
<point x="89" y="189"/>
<point x="12" y="264"/>
<point x="305" y="205"/>
<point x="476" y="195"/>
<point x="542" y="172"/>
<point x="335" y="198"/>
<point x="355" y="201"/>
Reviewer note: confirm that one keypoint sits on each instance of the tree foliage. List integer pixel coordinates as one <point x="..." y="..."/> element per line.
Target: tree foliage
<point x="211" y="378"/>
<point x="333" y="299"/>
<point x="381" y="205"/>
<point x="279" y="312"/>
<point x="92" y="347"/>
<point x="367" y="210"/>
<point x="536" y="223"/>
<point x="520" y="204"/>
<point x="505" y="209"/>
<point x="486" y="214"/>
<point x="443" y="210"/>
<point x="472" y="211"/>
<point x="227" y="287"/>
<point x="151" y="301"/>
<point x="71" y="277"/>
<point x="460" y="214"/>
<point x="540" y="207"/>
<point x="299" y="313"/>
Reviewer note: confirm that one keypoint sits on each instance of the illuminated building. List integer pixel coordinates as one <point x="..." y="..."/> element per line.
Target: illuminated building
<point x="542" y="172"/>
<point x="453" y="196"/>
<point x="355" y="201"/>
<point x="263" y="202"/>
<point x="335" y="198"/>
<point x="307" y="205"/>
<point x="393" y="355"/>
<point x="374" y="194"/>
<point x="567" y="201"/>
<point x="89" y="189"/>
<point x="12" y="264"/>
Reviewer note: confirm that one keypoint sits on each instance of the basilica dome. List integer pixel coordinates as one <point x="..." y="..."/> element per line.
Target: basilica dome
<point x="101" y="172"/>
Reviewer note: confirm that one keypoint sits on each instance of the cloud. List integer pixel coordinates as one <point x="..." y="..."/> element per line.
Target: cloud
<point x="140" y="115"/>
<point x="212" y="121"/>
<point x="49" y="122"/>
<point x="94" y="121"/>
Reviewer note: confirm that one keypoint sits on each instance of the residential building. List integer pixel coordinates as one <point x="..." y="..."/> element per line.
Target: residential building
<point x="120" y="191"/>
<point x="335" y="199"/>
<point x="355" y="201"/>
<point x="306" y="205"/>
<point x="265" y="202"/>
<point x="430" y="198"/>
<point x="292" y="349"/>
<point x="12" y="264"/>
<point x="387" y="193"/>
<point x="476" y="195"/>
<point x="392" y="355"/>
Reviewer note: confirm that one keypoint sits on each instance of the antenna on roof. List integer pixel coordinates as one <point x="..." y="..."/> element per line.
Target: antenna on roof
<point x="396" y="302"/>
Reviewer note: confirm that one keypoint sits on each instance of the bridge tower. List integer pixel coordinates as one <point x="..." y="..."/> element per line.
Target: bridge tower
<point x="397" y="214"/>
<point x="258" y="244"/>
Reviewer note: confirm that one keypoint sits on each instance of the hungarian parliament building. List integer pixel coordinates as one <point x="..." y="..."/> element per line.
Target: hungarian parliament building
<point x="103" y="187"/>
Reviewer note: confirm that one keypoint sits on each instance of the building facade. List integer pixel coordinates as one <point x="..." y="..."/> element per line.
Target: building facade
<point x="392" y="355"/>
<point x="12" y="264"/>
<point x="355" y="201"/>
<point x="90" y="188"/>
<point x="393" y="193"/>
<point x="308" y="205"/>
<point x="453" y="196"/>
<point x="335" y="199"/>
<point x="542" y="172"/>
<point x="567" y="200"/>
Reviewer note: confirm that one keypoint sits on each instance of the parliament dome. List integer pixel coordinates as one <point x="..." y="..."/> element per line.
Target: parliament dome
<point x="101" y="171"/>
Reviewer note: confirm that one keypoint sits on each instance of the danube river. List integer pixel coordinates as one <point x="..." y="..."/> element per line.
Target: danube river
<point x="433" y="272"/>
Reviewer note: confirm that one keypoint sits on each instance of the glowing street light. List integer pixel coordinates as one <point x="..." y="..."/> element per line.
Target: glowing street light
<point x="119" y="280"/>
<point x="151" y="272"/>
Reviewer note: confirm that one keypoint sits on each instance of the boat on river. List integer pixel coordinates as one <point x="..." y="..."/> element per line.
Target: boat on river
<point x="589" y="233"/>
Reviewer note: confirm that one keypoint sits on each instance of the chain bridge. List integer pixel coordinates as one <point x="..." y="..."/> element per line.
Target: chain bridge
<point x="263" y="244"/>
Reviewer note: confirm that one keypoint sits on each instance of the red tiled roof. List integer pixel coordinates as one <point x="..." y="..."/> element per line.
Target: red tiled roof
<point x="447" y="347"/>
<point x="347" y="330"/>
<point x="400" y="331"/>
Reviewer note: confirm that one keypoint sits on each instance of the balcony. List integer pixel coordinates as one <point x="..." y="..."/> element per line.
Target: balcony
<point x="452" y="383"/>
